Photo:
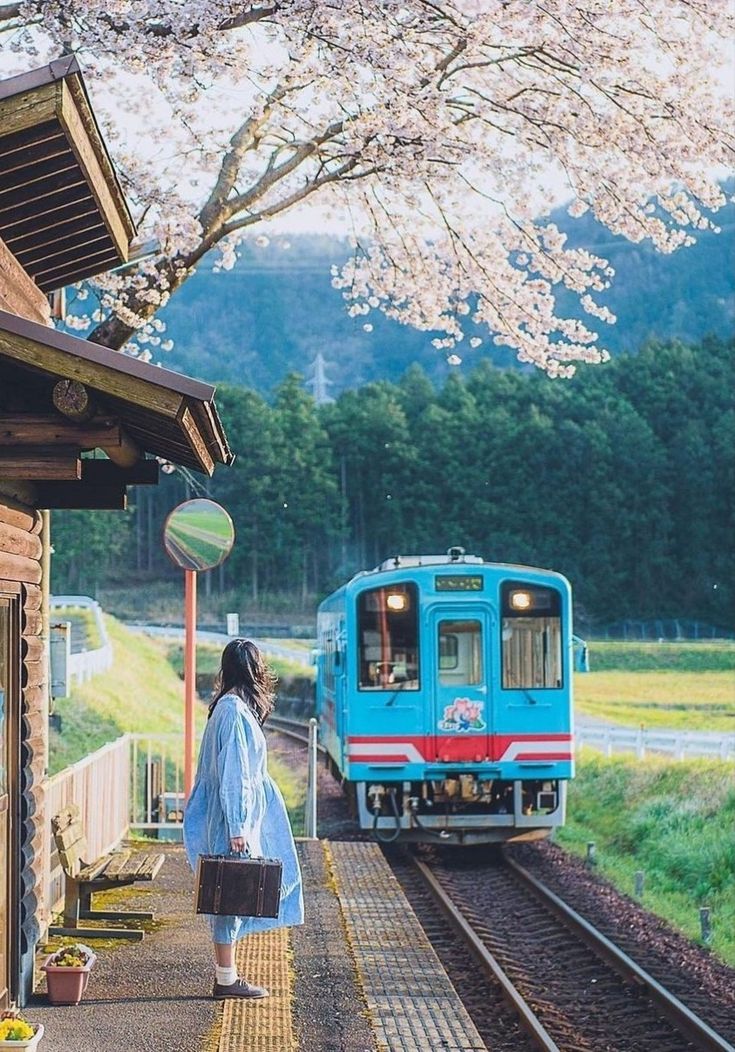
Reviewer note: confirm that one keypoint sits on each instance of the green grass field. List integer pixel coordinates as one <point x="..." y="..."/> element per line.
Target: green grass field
<point x="209" y="656"/>
<point x="684" y="686"/>
<point x="674" y="822"/>
<point x="205" y="520"/>
<point x="662" y="657"/>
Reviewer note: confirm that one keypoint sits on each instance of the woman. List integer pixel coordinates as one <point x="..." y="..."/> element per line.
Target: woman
<point x="235" y="806"/>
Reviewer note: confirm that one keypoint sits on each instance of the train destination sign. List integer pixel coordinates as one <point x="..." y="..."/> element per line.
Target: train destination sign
<point x="459" y="582"/>
<point x="198" y="535"/>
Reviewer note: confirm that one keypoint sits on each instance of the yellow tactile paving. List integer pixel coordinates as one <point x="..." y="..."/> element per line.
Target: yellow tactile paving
<point x="412" y="1003"/>
<point x="266" y="1025"/>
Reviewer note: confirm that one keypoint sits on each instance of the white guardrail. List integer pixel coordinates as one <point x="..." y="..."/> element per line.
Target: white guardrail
<point x="681" y="745"/>
<point x="87" y="663"/>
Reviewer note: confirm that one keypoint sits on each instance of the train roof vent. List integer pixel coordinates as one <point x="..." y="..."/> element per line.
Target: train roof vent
<point x="454" y="555"/>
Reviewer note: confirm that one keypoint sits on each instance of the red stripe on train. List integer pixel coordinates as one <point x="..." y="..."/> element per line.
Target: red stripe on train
<point x="469" y="748"/>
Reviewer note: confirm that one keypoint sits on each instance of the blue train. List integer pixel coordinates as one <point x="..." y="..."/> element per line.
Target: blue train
<point x="444" y="695"/>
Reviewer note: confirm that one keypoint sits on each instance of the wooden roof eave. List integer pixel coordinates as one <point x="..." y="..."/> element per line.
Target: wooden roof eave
<point x="161" y="403"/>
<point x="48" y="128"/>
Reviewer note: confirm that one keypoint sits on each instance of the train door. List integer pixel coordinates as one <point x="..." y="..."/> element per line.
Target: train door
<point x="461" y="713"/>
<point x="8" y="789"/>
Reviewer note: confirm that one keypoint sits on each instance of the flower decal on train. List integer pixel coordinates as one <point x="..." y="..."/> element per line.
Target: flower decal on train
<point x="463" y="715"/>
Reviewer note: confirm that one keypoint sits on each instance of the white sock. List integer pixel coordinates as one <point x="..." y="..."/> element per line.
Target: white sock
<point x="226" y="976"/>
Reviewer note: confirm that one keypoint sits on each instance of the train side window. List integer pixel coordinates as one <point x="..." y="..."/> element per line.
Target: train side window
<point x="388" y="638"/>
<point x="460" y="653"/>
<point x="531" y="637"/>
<point x="329" y="661"/>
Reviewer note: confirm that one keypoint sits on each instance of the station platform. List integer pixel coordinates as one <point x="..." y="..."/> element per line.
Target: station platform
<point x="358" y="976"/>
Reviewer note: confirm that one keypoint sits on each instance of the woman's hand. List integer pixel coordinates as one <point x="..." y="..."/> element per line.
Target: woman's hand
<point x="237" y="844"/>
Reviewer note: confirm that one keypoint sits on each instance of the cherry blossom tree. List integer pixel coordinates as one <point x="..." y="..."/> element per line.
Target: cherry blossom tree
<point x="441" y="130"/>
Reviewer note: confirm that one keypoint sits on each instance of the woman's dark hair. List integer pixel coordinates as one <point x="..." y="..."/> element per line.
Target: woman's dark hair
<point x="245" y="673"/>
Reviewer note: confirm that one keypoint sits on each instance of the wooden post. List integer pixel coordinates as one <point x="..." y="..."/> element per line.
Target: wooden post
<point x="190" y="671"/>
<point x="705" y="922"/>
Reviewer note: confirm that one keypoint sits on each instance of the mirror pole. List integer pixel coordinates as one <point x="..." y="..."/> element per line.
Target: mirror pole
<point x="190" y="669"/>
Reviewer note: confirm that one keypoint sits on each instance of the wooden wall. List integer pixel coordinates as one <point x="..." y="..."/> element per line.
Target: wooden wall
<point x="20" y="573"/>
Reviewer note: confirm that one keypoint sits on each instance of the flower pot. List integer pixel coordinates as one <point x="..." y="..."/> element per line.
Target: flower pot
<point x="66" y="985"/>
<point x="31" y="1043"/>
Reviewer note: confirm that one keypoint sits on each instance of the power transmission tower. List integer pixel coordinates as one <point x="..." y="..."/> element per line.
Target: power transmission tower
<point x="318" y="381"/>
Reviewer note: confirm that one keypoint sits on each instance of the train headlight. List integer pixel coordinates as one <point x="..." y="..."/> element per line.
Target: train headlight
<point x="395" y="601"/>
<point x="521" y="600"/>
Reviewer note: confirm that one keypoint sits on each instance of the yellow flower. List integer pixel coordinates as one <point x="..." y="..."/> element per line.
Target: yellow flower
<point x="15" y="1030"/>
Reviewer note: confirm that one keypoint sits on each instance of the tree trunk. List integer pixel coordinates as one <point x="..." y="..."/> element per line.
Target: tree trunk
<point x="361" y="540"/>
<point x="139" y="530"/>
<point x="149" y="519"/>
<point x="254" y="581"/>
<point x="169" y="272"/>
<point x="345" y="510"/>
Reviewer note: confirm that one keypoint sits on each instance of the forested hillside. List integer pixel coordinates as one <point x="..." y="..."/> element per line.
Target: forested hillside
<point x="622" y="478"/>
<point x="277" y="310"/>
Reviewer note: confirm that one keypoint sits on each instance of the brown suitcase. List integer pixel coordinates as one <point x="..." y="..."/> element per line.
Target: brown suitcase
<point x="229" y="885"/>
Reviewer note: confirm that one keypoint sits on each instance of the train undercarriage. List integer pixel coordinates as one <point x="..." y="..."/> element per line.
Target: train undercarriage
<point x="460" y="808"/>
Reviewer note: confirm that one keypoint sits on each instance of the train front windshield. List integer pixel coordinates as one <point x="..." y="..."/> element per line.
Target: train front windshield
<point x="531" y="637"/>
<point x="388" y="638"/>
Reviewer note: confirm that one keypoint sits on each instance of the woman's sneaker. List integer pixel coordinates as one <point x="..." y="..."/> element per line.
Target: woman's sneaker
<point x="240" y="988"/>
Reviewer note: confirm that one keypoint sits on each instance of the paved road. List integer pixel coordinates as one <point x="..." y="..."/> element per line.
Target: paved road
<point x="301" y="657"/>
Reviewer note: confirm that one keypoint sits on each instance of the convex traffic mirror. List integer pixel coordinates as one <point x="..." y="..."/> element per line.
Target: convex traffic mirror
<point x="198" y="535"/>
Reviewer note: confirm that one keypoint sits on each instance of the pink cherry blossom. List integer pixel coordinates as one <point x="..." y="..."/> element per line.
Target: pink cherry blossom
<point x="440" y="132"/>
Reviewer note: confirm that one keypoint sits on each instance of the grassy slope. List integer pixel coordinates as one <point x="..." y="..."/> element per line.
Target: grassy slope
<point x="210" y="654"/>
<point x="141" y="692"/>
<point x="672" y="821"/>
<point x="687" y="686"/>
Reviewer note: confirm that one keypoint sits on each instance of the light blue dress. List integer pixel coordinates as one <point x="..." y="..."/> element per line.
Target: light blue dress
<point x="234" y="796"/>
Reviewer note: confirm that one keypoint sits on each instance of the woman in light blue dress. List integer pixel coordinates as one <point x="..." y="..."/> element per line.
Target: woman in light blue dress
<point x="235" y="805"/>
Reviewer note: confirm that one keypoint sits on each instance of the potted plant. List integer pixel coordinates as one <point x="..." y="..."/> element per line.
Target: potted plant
<point x="16" y="1032"/>
<point x="67" y="973"/>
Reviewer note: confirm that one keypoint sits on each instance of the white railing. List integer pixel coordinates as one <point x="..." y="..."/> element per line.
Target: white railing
<point x="681" y="745"/>
<point x="87" y="663"/>
<point x="157" y="784"/>
<point x="99" y="785"/>
<point x="132" y="784"/>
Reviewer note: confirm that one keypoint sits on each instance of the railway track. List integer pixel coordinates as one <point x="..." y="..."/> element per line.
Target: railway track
<point x="564" y="984"/>
<point x="571" y="988"/>
<point x="296" y="729"/>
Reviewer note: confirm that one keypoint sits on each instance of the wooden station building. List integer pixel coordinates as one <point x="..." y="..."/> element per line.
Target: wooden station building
<point x="63" y="218"/>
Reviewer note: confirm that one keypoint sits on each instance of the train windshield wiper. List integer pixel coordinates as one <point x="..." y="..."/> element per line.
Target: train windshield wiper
<point x="396" y="692"/>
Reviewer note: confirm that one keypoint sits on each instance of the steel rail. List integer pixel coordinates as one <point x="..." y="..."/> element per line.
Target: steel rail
<point x="675" y="1011"/>
<point x="296" y="729"/>
<point x="487" y="962"/>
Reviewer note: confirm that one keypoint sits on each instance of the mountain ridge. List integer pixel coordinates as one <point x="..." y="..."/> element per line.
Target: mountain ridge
<point x="276" y="310"/>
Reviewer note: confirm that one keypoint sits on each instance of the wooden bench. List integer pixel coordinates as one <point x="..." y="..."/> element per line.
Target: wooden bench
<point x="83" y="878"/>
